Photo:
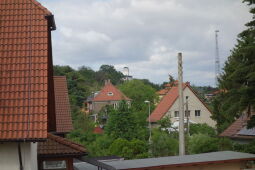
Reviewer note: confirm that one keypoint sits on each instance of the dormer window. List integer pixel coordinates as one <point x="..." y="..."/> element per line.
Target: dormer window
<point x="110" y="93"/>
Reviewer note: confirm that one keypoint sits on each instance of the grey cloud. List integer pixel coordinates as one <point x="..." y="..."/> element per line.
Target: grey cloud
<point x="146" y="35"/>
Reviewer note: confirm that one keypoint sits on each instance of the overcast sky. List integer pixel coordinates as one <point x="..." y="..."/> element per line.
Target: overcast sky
<point x="146" y="35"/>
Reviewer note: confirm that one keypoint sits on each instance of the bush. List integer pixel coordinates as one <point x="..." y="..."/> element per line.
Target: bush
<point x="202" y="143"/>
<point x="163" y="144"/>
<point x="202" y="129"/>
<point x="225" y="144"/>
<point x="247" y="148"/>
<point x="100" y="147"/>
<point x="129" y="149"/>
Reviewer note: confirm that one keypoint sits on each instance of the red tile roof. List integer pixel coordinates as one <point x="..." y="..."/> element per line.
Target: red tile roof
<point x="24" y="70"/>
<point x="63" y="112"/>
<point x="165" y="104"/>
<point x="168" y="100"/>
<point x="105" y="96"/>
<point x="162" y="91"/>
<point x="58" y="146"/>
<point x="233" y="130"/>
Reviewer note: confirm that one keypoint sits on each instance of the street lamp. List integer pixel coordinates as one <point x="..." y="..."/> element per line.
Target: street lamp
<point x="149" y="103"/>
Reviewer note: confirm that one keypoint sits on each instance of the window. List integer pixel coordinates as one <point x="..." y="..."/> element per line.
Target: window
<point x="176" y="114"/>
<point x="115" y="105"/>
<point x="54" y="164"/>
<point x="197" y="113"/>
<point x="187" y="113"/>
<point x="110" y="93"/>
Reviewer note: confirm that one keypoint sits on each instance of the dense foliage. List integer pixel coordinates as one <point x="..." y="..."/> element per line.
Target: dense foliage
<point x="121" y="123"/>
<point x="202" y="129"/>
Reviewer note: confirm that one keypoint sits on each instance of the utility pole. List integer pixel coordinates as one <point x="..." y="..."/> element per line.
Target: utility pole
<point x="187" y="112"/>
<point x="217" y="58"/>
<point x="181" y="107"/>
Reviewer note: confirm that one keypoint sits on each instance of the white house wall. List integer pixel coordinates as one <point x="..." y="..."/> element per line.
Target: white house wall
<point x="9" y="157"/>
<point x="194" y="104"/>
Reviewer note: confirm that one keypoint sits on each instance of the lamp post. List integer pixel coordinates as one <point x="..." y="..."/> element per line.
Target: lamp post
<point x="149" y="103"/>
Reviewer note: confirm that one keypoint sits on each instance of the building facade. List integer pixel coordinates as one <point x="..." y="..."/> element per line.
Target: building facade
<point x="195" y="109"/>
<point x="108" y="95"/>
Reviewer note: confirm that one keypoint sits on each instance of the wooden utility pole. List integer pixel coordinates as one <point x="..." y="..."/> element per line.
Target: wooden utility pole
<point x="181" y="107"/>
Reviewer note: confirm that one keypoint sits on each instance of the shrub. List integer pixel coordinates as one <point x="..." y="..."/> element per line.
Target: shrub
<point x="163" y="144"/>
<point x="202" y="143"/>
<point x="202" y="129"/>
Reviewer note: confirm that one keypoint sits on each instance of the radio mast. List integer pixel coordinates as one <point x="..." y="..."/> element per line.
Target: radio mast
<point x="217" y="58"/>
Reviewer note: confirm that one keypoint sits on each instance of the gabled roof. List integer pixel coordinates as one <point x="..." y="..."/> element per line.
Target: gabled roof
<point x="24" y="70"/>
<point x="56" y="146"/>
<point x="238" y="129"/>
<point x="168" y="100"/>
<point x="165" y="104"/>
<point x="63" y="112"/>
<point x="110" y="93"/>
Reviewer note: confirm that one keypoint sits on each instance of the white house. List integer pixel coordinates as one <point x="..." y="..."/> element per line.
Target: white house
<point x="197" y="112"/>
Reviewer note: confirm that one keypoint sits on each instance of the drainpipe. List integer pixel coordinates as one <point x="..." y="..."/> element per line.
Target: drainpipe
<point x="20" y="157"/>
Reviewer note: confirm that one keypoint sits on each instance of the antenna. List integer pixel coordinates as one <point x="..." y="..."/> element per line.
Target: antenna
<point x="217" y="58"/>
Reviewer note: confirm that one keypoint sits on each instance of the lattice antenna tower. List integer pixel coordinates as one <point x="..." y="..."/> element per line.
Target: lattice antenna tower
<point x="217" y="58"/>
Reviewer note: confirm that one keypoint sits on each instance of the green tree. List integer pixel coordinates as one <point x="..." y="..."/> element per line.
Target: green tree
<point x="121" y="122"/>
<point x="238" y="78"/>
<point x="165" y="122"/>
<point x="109" y="72"/>
<point x="138" y="91"/>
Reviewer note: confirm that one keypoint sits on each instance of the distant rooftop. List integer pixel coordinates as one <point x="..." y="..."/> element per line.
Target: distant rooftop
<point x="238" y="129"/>
<point x="110" y="93"/>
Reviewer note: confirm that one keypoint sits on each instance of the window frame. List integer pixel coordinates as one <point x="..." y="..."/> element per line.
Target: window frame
<point x="197" y="113"/>
<point x="176" y="113"/>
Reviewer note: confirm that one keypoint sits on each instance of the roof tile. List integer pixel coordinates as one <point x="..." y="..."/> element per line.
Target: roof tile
<point x="56" y="145"/>
<point x="23" y="70"/>
<point x="63" y="112"/>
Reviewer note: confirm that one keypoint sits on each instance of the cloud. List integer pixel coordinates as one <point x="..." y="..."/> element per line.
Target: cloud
<point x="146" y="35"/>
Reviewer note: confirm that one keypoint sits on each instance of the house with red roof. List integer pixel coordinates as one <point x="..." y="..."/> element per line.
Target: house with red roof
<point x="238" y="131"/>
<point x="108" y="95"/>
<point x="198" y="111"/>
<point x="27" y="94"/>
